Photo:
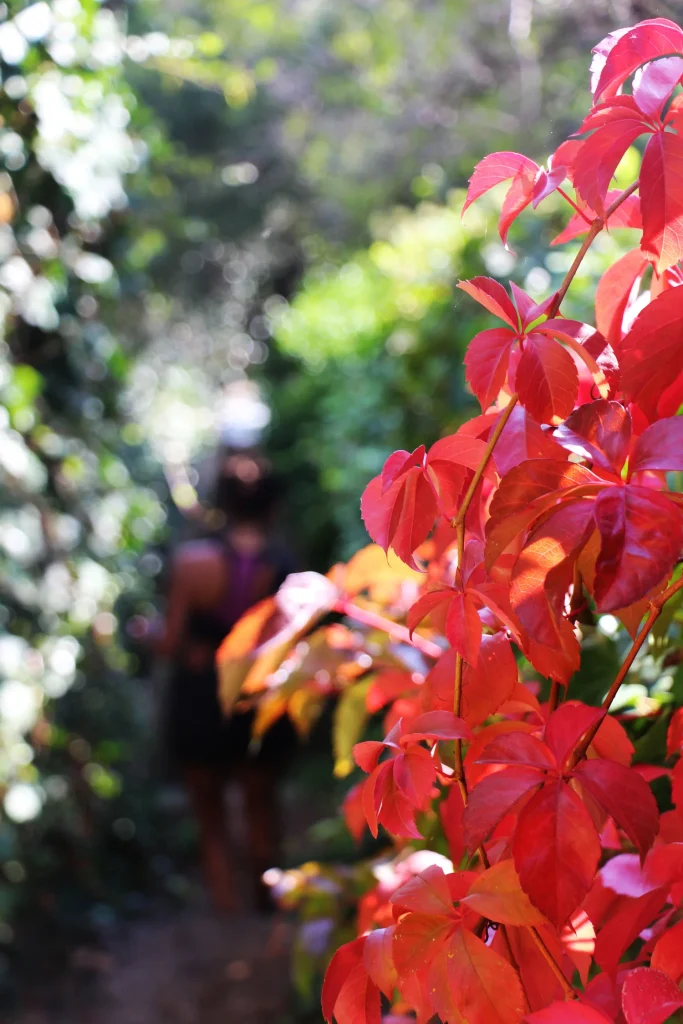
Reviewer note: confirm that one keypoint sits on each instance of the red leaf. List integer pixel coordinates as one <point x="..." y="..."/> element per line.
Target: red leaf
<point x="426" y="893"/>
<point x="625" y="926"/>
<point x="599" y="431"/>
<point x="567" y="1013"/>
<point x="486" y="363"/>
<point x="354" y="815"/>
<point x="485" y="686"/>
<point x="660" y="447"/>
<point x="654" y="83"/>
<point x="674" y="736"/>
<point x="498" y="896"/>
<point x="667" y="956"/>
<point x="492" y="296"/>
<point x="492" y="798"/>
<point x="625" y="796"/>
<point x="633" y="47"/>
<point x="567" y="726"/>
<point x="437" y="725"/>
<point x="523" y="439"/>
<point x="446" y="467"/>
<point x="641" y="533"/>
<point x="599" y="157"/>
<point x="517" y="199"/>
<point x="348" y="995"/>
<point x="677" y="785"/>
<point x="450" y="812"/>
<point x="546" y="379"/>
<point x="526" y="493"/>
<point x="651" y="354"/>
<point x="518" y="748"/>
<point x="556" y="850"/>
<point x="378" y="960"/>
<point x="649" y="997"/>
<point x="402" y="517"/>
<point x="617" y="288"/>
<point x="494" y="169"/>
<point x="661" y="201"/>
<point x="543" y="571"/>
<point x="485" y="987"/>
<point x="417" y="940"/>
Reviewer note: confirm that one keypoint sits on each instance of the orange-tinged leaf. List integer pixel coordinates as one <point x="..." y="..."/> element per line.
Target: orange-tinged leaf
<point x="486" y="988"/>
<point x="498" y="896"/>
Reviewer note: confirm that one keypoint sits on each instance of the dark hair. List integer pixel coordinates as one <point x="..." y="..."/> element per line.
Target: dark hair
<point x="246" y="490"/>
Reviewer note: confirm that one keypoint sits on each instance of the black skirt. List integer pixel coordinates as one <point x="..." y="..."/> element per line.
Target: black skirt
<point x="198" y="733"/>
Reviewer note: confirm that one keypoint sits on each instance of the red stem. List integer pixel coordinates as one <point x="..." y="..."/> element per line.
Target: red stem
<point x="376" y="621"/>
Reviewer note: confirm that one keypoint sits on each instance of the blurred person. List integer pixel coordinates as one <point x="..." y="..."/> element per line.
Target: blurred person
<point x="212" y="583"/>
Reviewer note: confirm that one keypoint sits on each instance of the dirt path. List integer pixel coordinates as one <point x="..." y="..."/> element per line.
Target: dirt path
<point x="191" y="967"/>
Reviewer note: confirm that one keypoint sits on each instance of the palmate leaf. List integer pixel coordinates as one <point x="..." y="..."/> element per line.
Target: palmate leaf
<point x="556" y="850"/>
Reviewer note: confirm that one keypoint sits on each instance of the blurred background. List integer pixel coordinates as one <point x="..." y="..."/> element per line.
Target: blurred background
<point x="221" y="221"/>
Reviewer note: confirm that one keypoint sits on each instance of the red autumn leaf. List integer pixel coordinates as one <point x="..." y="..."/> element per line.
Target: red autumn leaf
<point x="485" y="987"/>
<point x="435" y="726"/>
<point x="546" y="379"/>
<point x="492" y="798"/>
<point x="661" y="201"/>
<point x="492" y="296"/>
<point x="451" y="810"/>
<point x="486" y="363"/>
<point x="429" y="892"/>
<point x="496" y="168"/>
<point x="667" y="956"/>
<point x="599" y="156"/>
<point x="463" y="626"/>
<point x="417" y="940"/>
<point x="498" y="896"/>
<point x="649" y="997"/>
<point x="400" y="505"/>
<point x="600" y="431"/>
<point x="625" y="796"/>
<point x="556" y="850"/>
<point x="624" y="927"/>
<point x="651" y="355"/>
<point x="674" y="737"/>
<point x="349" y="996"/>
<point x="518" y="748"/>
<point x="485" y="686"/>
<point x="629" y="49"/>
<point x="526" y="493"/>
<point x="617" y="289"/>
<point x="677" y="785"/>
<point x="352" y="809"/>
<point x="641" y="533"/>
<point x="378" y="960"/>
<point x="543" y="570"/>
<point x="654" y="83"/>
<point x="567" y="1013"/>
<point x="659" y="447"/>
<point x="567" y="726"/>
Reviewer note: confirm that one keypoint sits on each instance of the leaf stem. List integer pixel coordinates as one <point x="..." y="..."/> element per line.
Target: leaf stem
<point x="459" y="520"/>
<point x="596" y="227"/>
<point x="656" y="606"/>
<point x="575" y="205"/>
<point x="552" y="962"/>
<point x="394" y="629"/>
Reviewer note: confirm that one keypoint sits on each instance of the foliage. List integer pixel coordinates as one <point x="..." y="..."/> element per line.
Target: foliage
<point x="79" y="493"/>
<point x="549" y="519"/>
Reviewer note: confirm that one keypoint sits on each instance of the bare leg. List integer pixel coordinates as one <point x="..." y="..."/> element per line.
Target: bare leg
<point x="261" y="810"/>
<point x="206" y="789"/>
